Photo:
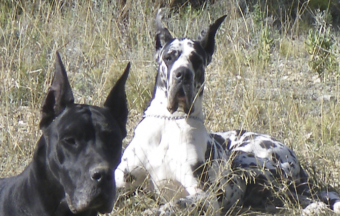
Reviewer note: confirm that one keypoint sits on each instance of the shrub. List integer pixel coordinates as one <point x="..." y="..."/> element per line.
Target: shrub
<point x="320" y="43"/>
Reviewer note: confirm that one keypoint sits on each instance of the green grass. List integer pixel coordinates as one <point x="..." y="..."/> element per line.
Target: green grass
<point x="278" y="94"/>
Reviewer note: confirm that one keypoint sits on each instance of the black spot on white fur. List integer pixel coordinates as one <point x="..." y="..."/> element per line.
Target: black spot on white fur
<point x="267" y="144"/>
<point x="199" y="171"/>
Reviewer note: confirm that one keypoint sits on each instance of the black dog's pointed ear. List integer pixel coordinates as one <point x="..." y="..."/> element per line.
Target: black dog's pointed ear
<point x="163" y="35"/>
<point x="58" y="97"/>
<point x="116" y="101"/>
<point x="207" y="37"/>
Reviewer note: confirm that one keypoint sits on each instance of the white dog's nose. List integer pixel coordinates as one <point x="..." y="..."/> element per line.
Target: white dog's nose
<point x="182" y="74"/>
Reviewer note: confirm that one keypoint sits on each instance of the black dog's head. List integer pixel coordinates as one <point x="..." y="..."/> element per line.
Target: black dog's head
<point x="182" y="64"/>
<point x="82" y="144"/>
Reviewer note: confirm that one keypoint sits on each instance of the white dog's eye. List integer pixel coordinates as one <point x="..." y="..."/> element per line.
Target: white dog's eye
<point x="168" y="58"/>
<point x="171" y="56"/>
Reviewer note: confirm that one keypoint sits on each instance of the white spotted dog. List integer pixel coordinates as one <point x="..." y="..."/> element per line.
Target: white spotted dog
<point x="172" y="147"/>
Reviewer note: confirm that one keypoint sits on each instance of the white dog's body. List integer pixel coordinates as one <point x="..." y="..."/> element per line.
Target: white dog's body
<point x="172" y="147"/>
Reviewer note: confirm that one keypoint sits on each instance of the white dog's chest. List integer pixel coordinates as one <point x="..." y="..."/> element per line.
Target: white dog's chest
<point x="166" y="150"/>
<point x="171" y="143"/>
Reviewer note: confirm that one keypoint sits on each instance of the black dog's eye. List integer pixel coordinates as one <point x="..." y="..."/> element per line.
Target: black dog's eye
<point x="70" y="141"/>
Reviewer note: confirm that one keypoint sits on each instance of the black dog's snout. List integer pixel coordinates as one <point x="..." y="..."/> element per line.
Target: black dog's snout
<point x="100" y="174"/>
<point x="182" y="73"/>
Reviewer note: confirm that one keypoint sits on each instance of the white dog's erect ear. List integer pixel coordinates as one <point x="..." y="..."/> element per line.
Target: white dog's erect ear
<point x="59" y="95"/>
<point x="163" y="35"/>
<point x="207" y="37"/>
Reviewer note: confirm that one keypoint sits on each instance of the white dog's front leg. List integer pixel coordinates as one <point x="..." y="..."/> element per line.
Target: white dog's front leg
<point x="131" y="173"/>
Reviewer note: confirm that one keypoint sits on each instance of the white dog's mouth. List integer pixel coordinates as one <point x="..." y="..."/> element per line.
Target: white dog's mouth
<point x="180" y="99"/>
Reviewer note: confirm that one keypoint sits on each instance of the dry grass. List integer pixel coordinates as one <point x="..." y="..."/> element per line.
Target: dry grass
<point x="279" y="96"/>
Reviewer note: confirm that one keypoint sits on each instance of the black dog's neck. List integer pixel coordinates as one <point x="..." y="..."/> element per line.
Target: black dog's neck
<point x="43" y="192"/>
<point x="49" y="189"/>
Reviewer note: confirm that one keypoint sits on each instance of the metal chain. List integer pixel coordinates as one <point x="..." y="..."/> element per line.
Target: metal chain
<point x="174" y="117"/>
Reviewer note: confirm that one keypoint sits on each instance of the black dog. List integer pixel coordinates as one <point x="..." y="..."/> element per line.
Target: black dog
<point x="72" y="171"/>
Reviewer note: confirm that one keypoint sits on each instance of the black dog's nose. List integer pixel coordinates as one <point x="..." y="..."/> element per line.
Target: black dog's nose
<point x="100" y="173"/>
<point x="97" y="176"/>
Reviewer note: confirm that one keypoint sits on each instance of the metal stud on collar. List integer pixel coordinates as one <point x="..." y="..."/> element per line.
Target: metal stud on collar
<point x="174" y="117"/>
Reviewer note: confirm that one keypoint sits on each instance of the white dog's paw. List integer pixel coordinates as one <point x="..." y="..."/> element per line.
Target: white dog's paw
<point x="186" y="202"/>
<point x="190" y="205"/>
<point x="315" y="208"/>
<point x="201" y="203"/>
<point x="336" y="207"/>
<point x="167" y="209"/>
<point x="150" y="212"/>
<point x="164" y="210"/>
